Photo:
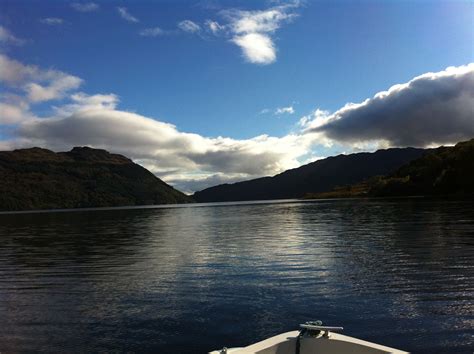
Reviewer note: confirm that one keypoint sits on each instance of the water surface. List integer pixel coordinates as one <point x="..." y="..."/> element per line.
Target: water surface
<point x="188" y="280"/>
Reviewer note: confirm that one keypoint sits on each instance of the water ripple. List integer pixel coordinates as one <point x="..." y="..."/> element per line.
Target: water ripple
<point x="398" y="272"/>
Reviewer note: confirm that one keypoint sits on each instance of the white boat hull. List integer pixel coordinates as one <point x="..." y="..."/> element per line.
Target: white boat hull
<point x="335" y="343"/>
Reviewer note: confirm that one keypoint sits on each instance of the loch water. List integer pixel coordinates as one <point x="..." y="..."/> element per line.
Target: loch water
<point x="398" y="272"/>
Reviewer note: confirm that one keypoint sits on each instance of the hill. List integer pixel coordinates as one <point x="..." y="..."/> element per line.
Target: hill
<point x="83" y="177"/>
<point x="316" y="177"/>
<point x="443" y="171"/>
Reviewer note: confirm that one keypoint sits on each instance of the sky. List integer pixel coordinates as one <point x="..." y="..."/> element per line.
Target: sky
<point x="208" y="92"/>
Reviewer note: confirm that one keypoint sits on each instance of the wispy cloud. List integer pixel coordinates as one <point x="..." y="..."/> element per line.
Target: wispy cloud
<point x="214" y="26"/>
<point x="279" y="110"/>
<point x="284" y="110"/>
<point x="7" y="37"/>
<point x="189" y="26"/>
<point x="80" y="101"/>
<point x="152" y="32"/>
<point x="29" y="85"/>
<point x="38" y="84"/>
<point x="123" y="12"/>
<point x="52" y="21"/>
<point x="56" y="87"/>
<point x="85" y="6"/>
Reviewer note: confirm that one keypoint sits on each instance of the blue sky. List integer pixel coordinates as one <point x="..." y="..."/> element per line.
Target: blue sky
<point x="230" y="82"/>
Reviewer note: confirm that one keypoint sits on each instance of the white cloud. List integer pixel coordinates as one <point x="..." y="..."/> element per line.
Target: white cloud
<point x="107" y="101"/>
<point x="279" y="110"/>
<point x="434" y="107"/>
<point x="55" y="88"/>
<point x="52" y="21"/>
<point x="316" y="119"/>
<point x="431" y="109"/>
<point x="123" y="12"/>
<point x="214" y="26"/>
<point x="39" y="85"/>
<point x="85" y="6"/>
<point x="13" y="72"/>
<point x="257" y="48"/>
<point x="161" y="146"/>
<point x="25" y="85"/>
<point x="84" y="102"/>
<point x="8" y="38"/>
<point x="189" y="26"/>
<point x="285" y="110"/>
<point x="252" y="30"/>
<point x="152" y="32"/>
<point x="191" y="183"/>
<point x="265" y="21"/>
<point x="13" y="113"/>
<point x="94" y="120"/>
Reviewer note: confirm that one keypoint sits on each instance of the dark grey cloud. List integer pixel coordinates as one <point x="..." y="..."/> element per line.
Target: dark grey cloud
<point x="238" y="159"/>
<point x="434" y="108"/>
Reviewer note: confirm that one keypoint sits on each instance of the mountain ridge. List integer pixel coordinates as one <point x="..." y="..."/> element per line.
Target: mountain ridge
<point x="37" y="178"/>
<point x="315" y="177"/>
<point x="447" y="170"/>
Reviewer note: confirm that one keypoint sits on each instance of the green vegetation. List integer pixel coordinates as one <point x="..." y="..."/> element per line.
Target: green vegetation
<point x="350" y="191"/>
<point x="442" y="171"/>
<point x="41" y="179"/>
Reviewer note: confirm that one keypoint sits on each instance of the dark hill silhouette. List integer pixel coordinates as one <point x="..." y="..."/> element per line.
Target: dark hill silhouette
<point x="83" y="177"/>
<point x="443" y="171"/>
<point x="319" y="176"/>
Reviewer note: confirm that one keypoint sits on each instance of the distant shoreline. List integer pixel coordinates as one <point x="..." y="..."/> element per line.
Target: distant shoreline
<point x="234" y="203"/>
